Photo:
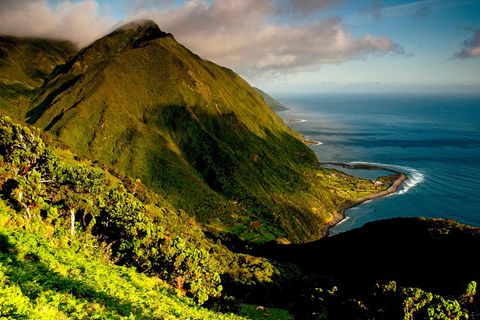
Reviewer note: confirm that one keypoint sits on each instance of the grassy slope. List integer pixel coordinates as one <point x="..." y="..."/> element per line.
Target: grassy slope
<point x="24" y="65"/>
<point x="39" y="185"/>
<point x="46" y="277"/>
<point x="193" y="131"/>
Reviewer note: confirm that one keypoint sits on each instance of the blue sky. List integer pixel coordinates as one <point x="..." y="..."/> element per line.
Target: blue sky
<point x="292" y="45"/>
<point x="430" y="38"/>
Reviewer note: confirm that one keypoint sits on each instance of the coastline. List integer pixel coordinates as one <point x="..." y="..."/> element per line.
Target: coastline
<point x="400" y="177"/>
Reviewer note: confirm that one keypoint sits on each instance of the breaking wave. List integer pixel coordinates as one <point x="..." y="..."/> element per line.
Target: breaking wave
<point x="414" y="176"/>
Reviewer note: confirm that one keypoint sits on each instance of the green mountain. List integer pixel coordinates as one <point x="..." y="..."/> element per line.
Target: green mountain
<point x="141" y="103"/>
<point x="25" y="63"/>
<point x="271" y="102"/>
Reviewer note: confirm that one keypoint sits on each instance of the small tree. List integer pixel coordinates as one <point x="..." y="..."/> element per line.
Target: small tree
<point x="29" y="192"/>
<point x="190" y="270"/>
<point x="19" y="146"/>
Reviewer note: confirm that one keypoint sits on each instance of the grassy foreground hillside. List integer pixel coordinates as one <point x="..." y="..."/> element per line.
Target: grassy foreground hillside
<point x="44" y="275"/>
<point x="64" y="223"/>
<point x="76" y="204"/>
<point x="194" y="132"/>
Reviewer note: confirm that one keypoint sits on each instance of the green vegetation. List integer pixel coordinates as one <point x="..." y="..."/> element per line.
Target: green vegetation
<point x="55" y="260"/>
<point x="87" y="202"/>
<point x="46" y="274"/>
<point x="271" y="102"/>
<point x="29" y="61"/>
<point x="25" y="63"/>
<point x="386" y="301"/>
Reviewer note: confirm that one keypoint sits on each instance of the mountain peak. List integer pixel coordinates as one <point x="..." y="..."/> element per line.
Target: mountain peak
<point x="138" y="25"/>
<point x="140" y="30"/>
<point x="134" y="34"/>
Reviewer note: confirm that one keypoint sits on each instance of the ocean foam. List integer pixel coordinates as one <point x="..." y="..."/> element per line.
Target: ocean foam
<point x="296" y="120"/>
<point x="414" y="176"/>
<point x="343" y="220"/>
<point x="312" y="141"/>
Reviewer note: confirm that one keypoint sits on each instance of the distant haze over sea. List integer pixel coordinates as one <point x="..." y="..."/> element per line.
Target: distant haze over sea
<point x="435" y="139"/>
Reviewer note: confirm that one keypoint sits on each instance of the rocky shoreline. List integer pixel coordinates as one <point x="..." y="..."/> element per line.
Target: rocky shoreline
<point x="397" y="177"/>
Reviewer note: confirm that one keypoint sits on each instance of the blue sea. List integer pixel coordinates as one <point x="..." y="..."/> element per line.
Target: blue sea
<point x="434" y="139"/>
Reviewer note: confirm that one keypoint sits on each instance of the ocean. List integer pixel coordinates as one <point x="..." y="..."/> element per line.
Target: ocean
<point x="434" y="139"/>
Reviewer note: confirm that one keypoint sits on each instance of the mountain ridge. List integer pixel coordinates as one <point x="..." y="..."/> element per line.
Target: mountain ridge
<point x="272" y="102"/>
<point x="25" y="64"/>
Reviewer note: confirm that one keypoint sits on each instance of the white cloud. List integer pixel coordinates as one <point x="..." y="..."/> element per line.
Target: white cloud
<point x="248" y="35"/>
<point x="307" y="7"/>
<point x="244" y="35"/>
<point x="77" y="21"/>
